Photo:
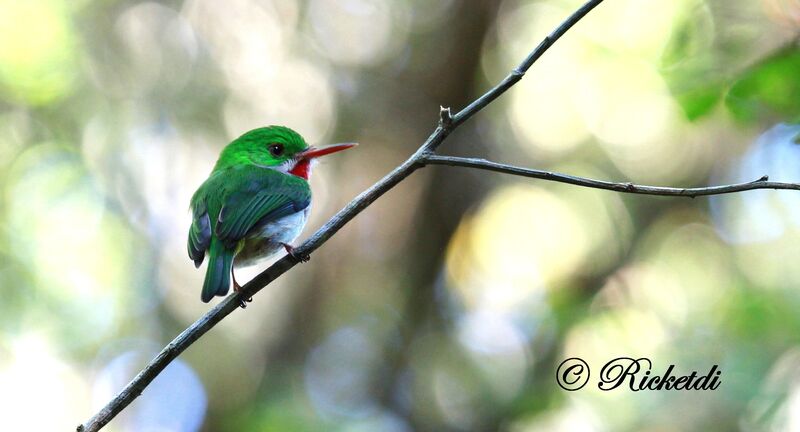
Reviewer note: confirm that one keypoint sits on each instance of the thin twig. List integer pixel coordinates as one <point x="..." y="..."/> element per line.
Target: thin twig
<point x="362" y="201"/>
<point x="761" y="183"/>
<point x="520" y="70"/>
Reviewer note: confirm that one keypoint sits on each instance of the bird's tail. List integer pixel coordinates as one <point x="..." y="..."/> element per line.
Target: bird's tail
<point x="218" y="274"/>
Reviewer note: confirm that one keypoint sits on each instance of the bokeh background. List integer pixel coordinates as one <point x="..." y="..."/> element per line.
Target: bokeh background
<point x="448" y="303"/>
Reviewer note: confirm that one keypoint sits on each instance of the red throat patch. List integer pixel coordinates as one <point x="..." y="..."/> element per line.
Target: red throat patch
<point x="302" y="169"/>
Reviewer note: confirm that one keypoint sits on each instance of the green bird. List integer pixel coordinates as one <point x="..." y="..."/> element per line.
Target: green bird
<point x="255" y="203"/>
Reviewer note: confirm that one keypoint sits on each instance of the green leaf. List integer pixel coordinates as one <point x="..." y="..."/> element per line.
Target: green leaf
<point x="770" y="88"/>
<point x="689" y="64"/>
<point x="699" y="101"/>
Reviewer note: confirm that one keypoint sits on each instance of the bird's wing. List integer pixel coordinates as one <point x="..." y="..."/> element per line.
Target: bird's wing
<point x="199" y="232"/>
<point x="260" y="196"/>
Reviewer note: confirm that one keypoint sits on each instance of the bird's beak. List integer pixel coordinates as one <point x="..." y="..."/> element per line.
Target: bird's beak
<point x="315" y="152"/>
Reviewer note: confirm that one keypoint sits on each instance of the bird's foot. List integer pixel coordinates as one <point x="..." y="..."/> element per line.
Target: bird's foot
<point x="237" y="289"/>
<point x="297" y="256"/>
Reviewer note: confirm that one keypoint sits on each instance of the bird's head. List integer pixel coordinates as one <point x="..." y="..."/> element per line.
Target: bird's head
<point x="275" y="147"/>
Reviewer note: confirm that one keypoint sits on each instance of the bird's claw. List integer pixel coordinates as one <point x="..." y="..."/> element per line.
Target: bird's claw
<point x="243" y="302"/>
<point x="302" y="258"/>
<point x="237" y="289"/>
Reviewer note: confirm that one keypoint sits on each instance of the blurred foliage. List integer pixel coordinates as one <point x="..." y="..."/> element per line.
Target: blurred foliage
<point x="690" y="63"/>
<point x="38" y="56"/>
<point x="701" y="70"/>
<point x="448" y="304"/>
<point x="770" y="88"/>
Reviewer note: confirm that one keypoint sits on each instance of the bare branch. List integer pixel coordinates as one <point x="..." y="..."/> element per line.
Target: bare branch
<point x="520" y="70"/>
<point x="362" y="201"/>
<point x="761" y="183"/>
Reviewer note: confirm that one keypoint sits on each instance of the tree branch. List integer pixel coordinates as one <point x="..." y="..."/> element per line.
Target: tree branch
<point x="520" y="70"/>
<point x="761" y="183"/>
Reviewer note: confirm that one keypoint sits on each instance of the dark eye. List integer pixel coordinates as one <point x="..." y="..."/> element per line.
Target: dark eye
<point x="275" y="149"/>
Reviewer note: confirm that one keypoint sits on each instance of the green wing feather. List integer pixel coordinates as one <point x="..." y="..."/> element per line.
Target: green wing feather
<point x="230" y="204"/>
<point x="199" y="233"/>
<point x="242" y="213"/>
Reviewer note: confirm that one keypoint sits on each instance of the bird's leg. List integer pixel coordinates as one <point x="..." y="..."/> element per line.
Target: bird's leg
<point x="298" y="257"/>
<point x="237" y="288"/>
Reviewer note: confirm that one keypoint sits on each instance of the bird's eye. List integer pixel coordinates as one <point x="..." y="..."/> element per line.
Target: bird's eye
<point x="275" y="149"/>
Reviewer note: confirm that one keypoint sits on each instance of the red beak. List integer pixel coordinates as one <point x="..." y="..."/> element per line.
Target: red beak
<point x="315" y="152"/>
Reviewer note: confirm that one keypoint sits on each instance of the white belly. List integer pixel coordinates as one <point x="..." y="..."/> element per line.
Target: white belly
<point x="269" y="239"/>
